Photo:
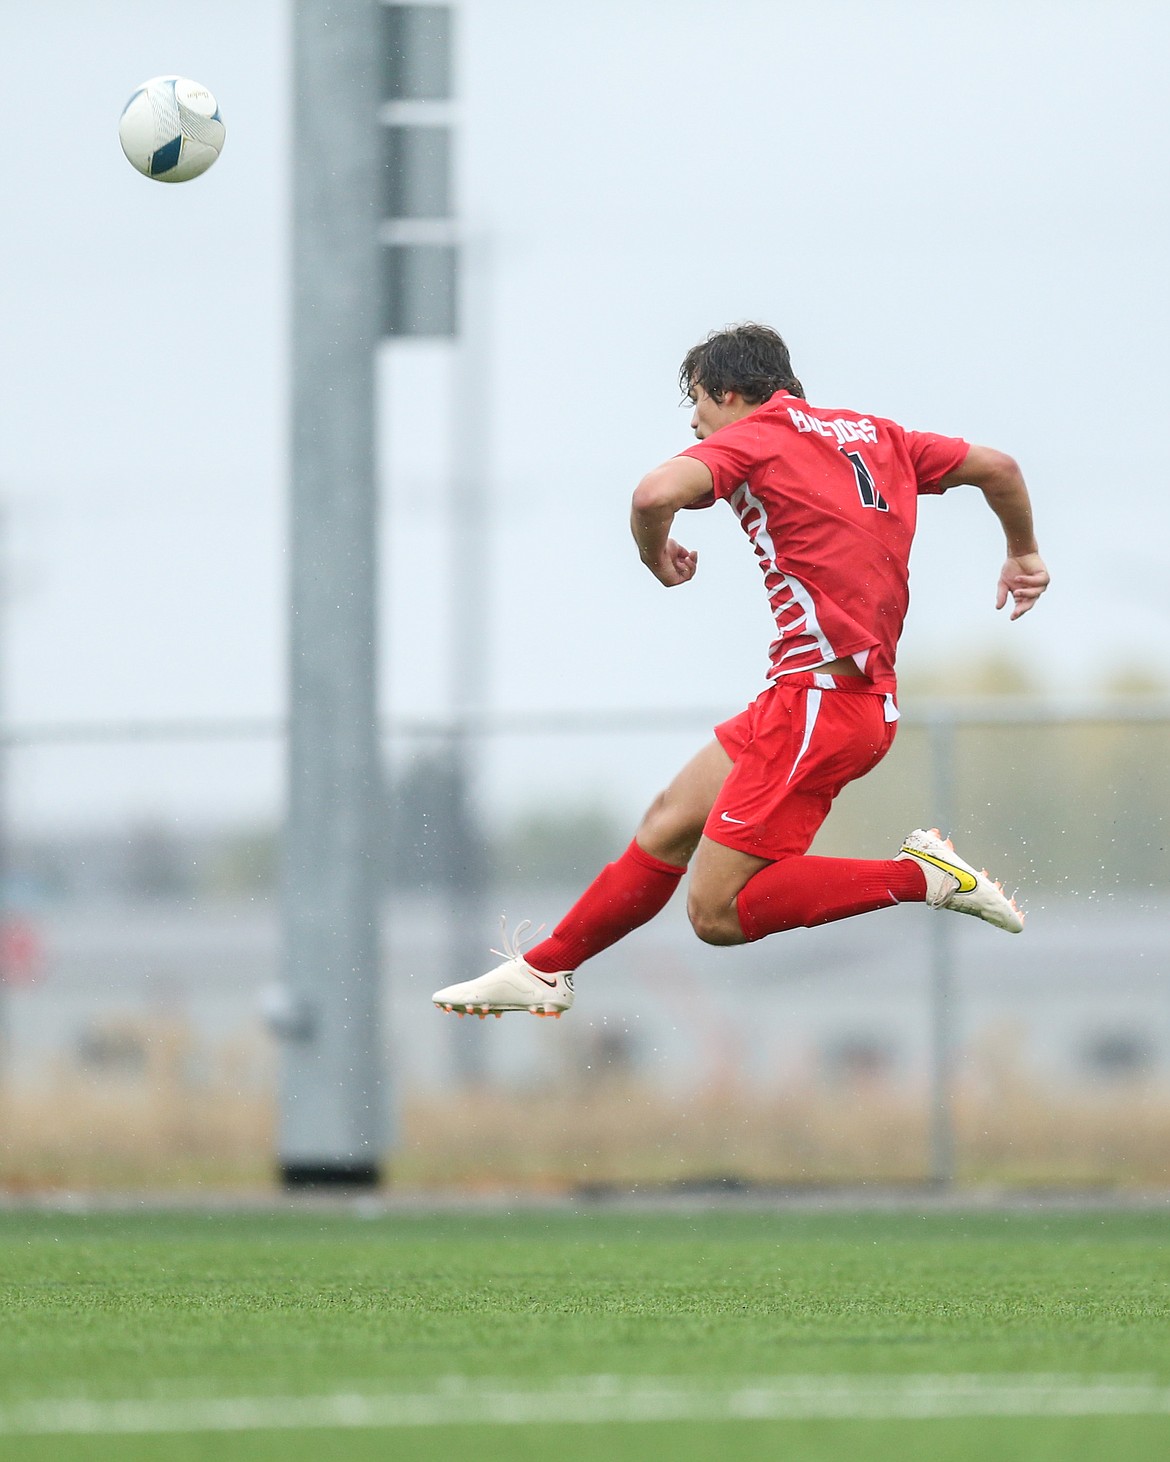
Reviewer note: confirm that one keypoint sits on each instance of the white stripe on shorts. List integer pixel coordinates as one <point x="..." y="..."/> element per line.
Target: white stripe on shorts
<point x="812" y="710"/>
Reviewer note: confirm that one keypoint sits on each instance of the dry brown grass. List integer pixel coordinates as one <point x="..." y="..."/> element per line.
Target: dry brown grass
<point x="630" y="1136"/>
<point x="180" y="1119"/>
<point x="184" y="1119"/>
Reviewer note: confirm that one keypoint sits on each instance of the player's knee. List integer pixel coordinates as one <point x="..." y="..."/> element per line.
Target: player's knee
<point x="668" y="830"/>
<point x="713" y="925"/>
<point x="654" y="818"/>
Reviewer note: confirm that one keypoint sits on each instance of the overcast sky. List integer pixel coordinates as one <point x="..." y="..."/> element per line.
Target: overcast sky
<point x="957" y="215"/>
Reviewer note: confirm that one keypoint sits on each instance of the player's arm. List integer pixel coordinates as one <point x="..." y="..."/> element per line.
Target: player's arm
<point x="657" y="498"/>
<point x="998" y="477"/>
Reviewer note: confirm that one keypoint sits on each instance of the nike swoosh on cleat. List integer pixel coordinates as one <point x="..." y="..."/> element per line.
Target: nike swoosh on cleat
<point x="968" y="883"/>
<point x="544" y="979"/>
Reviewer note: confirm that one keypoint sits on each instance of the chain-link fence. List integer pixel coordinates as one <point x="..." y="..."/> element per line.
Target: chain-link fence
<point x="140" y="960"/>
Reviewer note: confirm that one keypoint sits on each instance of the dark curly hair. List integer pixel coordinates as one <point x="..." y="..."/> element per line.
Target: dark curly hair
<point x="750" y="359"/>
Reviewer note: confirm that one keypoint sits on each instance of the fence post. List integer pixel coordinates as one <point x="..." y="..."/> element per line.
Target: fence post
<point x="941" y="730"/>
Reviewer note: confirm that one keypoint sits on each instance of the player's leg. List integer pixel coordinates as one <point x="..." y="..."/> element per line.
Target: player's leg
<point x="673" y="823"/>
<point x="718" y="874"/>
<point x="625" y="894"/>
<point x="803" y="892"/>
<point x="735" y="898"/>
<point x="632" y="890"/>
<point x="781" y="789"/>
<point x="752" y="876"/>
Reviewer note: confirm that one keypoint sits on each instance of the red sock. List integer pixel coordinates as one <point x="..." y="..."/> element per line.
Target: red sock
<point x="624" y="895"/>
<point x="800" y="893"/>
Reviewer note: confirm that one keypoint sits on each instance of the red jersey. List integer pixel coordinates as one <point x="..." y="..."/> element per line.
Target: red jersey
<point x="829" y="500"/>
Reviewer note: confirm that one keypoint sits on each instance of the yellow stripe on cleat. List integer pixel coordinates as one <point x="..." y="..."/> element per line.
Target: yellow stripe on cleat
<point x="967" y="881"/>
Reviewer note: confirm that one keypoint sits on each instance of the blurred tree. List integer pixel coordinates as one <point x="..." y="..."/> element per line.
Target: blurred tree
<point x="567" y="846"/>
<point x="1135" y="680"/>
<point x="994" y="674"/>
<point x="246" y="861"/>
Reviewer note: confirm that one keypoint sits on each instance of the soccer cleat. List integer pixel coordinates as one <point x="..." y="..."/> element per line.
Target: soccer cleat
<point x="514" y="985"/>
<point x="953" y="884"/>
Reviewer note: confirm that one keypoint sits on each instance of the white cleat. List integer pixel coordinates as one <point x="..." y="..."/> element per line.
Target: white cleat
<point x="953" y="884"/>
<point x="514" y="985"/>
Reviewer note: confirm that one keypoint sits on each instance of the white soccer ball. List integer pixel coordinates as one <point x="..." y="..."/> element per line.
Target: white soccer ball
<point x="171" y="129"/>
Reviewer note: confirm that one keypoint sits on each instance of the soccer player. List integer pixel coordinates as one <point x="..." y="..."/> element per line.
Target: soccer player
<point x="828" y="498"/>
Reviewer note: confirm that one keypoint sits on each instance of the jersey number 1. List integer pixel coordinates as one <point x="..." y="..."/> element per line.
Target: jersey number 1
<point x="866" y="486"/>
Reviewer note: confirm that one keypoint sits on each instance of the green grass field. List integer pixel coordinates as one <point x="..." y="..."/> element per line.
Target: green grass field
<point x="201" y="1317"/>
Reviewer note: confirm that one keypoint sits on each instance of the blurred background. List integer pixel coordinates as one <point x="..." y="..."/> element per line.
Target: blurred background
<point x="953" y="216"/>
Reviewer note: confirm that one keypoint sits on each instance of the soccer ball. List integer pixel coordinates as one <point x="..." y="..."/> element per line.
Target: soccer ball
<point x="171" y="129"/>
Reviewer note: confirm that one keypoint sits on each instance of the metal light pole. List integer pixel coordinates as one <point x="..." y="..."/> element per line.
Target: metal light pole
<point x="332" y="1127"/>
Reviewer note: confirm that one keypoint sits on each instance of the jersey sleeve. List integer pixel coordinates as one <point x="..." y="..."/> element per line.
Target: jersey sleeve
<point x="933" y="457"/>
<point x="706" y="501"/>
<point x="729" y="455"/>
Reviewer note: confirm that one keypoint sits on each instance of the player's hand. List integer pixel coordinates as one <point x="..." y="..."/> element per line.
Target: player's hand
<point x="676" y="566"/>
<point x="1024" y="578"/>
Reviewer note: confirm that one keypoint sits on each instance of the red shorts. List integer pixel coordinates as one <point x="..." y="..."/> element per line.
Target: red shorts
<point x="793" y="750"/>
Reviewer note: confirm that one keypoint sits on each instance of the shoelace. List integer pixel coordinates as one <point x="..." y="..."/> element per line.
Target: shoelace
<point x="514" y="944"/>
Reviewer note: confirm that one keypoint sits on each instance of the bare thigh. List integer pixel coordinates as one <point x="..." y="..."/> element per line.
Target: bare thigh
<point x="673" y="824"/>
